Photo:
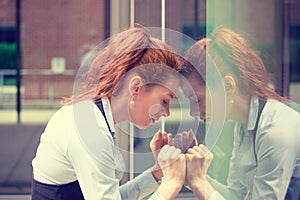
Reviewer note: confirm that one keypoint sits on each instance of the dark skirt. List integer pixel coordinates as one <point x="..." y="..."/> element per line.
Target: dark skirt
<point x="293" y="192"/>
<point x="69" y="191"/>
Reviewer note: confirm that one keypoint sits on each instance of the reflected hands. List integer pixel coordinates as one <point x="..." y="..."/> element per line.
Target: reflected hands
<point x="198" y="160"/>
<point x="184" y="140"/>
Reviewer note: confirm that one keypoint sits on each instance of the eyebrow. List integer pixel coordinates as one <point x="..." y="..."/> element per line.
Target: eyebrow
<point x="172" y="95"/>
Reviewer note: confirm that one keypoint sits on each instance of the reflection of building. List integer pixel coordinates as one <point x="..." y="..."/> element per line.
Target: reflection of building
<point x="55" y="29"/>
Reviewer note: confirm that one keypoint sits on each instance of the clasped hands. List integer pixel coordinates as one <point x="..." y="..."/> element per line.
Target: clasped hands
<point x="180" y="159"/>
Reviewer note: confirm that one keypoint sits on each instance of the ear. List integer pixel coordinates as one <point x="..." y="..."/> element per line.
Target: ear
<point x="230" y="84"/>
<point x="135" y="84"/>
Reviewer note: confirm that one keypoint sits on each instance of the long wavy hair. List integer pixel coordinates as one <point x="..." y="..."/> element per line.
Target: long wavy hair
<point x="124" y="52"/>
<point x="232" y="55"/>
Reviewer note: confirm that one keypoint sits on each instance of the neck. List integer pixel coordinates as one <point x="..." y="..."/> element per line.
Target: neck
<point x="119" y="107"/>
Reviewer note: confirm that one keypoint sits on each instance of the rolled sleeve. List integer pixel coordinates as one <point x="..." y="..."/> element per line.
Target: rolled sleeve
<point x="140" y="187"/>
<point x="216" y="196"/>
<point x="156" y="196"/>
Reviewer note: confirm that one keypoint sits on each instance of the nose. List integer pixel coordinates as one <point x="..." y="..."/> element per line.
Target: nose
<point x="166" y="112"/>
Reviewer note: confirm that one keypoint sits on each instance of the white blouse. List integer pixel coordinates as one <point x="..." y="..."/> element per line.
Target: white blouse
<point x="77" y="145"/>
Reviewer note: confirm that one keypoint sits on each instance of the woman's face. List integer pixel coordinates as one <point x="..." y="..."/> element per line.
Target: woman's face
<point x="198" y="97"/>
<point x="150" y="103"/>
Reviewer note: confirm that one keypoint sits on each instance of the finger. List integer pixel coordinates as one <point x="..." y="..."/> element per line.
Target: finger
<point x="177" y="152"/>
<point x="198" y="151"/>
<point x="170" y="137"/>
<point x="185" y="141"/>
<point x="164" y="138"/>
<point x="182" y="159"/>
<point x="192" y="151"/>
<point x="192" y="138"/>
<point x="154" y="143"/>
<point x="173" y="154"/>
<point x="184" y="136"/>
<point x="167" y="155"/>
<point x="167" y="138"/>
<point x="163" y="151"/>
<point x="170" y="150"/>
<point x="158" y="136"/>
<point x="172" y="142"/>
<point x="203" y="150"/>
<point x="178" y="141"/>
<point x="182" y="156"/>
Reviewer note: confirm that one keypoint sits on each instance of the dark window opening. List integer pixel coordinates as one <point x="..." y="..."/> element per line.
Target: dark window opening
<point x="294" y="53"/>
<point x="7" y="54"/>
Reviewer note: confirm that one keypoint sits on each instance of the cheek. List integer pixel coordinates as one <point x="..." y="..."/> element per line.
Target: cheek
<point x="147" y="106"/>
<point x="207" y="102"/>
<point x="155" y="108"/>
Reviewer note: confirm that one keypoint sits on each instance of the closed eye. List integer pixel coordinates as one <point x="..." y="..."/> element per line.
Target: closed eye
<point x="165" y="102"/>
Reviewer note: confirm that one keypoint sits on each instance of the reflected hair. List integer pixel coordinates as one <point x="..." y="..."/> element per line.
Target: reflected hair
<point x="233" y="55"/>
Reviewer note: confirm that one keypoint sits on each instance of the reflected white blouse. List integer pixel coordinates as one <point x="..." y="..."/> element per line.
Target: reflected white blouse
<point x="277" y="148"/>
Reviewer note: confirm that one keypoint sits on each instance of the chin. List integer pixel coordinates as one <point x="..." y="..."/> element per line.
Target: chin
<point x="142" y="127"/>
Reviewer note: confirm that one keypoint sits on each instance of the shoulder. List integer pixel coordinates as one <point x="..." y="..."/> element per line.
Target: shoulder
<point x="276" y="111"/>
<point x="279" y="123"/>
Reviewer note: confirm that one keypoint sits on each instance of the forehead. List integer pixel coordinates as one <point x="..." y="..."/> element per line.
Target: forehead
<point x="169" y="86"/>
<point x="172" y="84"/>
<point x="192" y="87"/>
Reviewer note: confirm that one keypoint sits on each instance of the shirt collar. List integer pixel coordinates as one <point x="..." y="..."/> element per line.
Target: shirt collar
<point x="253" y="112"/>
<point x="108" y="113"/>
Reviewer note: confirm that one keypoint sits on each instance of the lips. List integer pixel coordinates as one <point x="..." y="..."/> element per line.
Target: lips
<point x="154" y="119"/>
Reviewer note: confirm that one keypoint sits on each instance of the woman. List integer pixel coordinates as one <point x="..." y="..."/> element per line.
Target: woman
<point x="265" y="160"/>
<point x="133" y="79"/>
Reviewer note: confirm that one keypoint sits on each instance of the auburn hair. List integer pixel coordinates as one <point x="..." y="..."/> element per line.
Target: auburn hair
<point x="124" y="52"/>
<point x="233" y="55"/>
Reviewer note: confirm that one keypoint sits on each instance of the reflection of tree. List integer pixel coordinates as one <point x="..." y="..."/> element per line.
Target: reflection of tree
<point x="8" y="61"/>
<point x="7" y="56"/>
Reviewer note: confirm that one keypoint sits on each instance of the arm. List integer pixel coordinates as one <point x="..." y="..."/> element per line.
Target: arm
<point x="147" y="182"/>
<point x="222" y="189"/>
<point x="198" y="160"/>
<point x="173" y="166"/>
<point x="140" y="187"/>
<point x="276" y="154"/>
<point x="96" y="177"/>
